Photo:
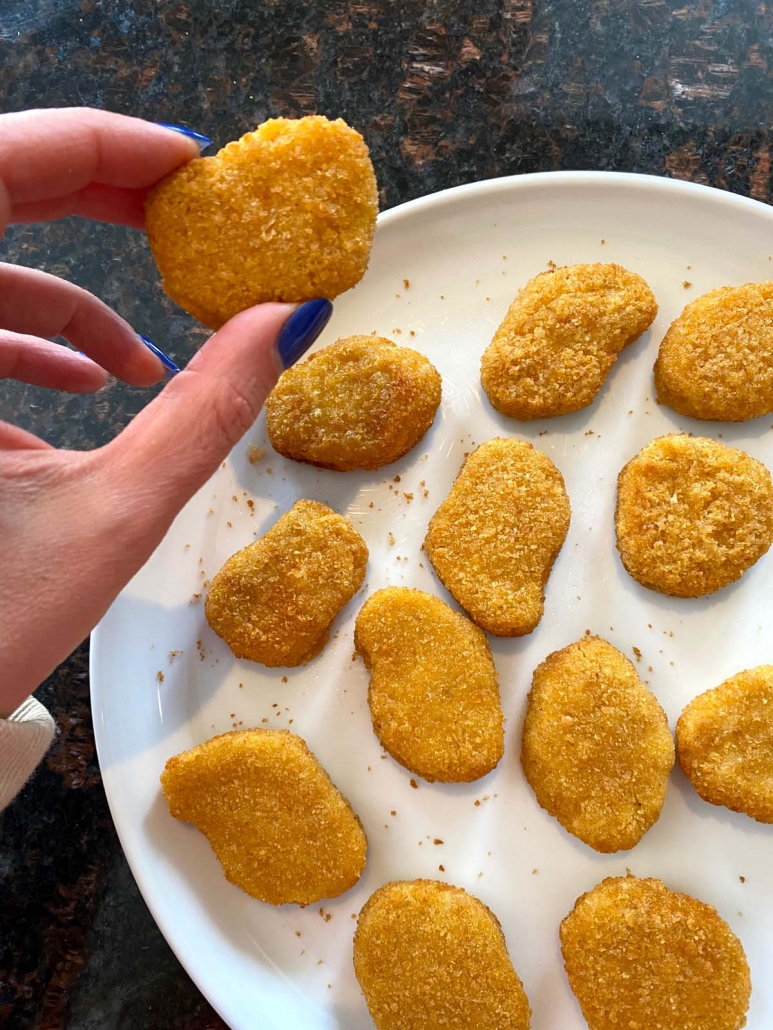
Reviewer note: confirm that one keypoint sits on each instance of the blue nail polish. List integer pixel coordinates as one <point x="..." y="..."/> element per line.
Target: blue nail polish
<point x="202" y="140"/>
<point x="301" y="330"/>
<point x="166" y="361"/>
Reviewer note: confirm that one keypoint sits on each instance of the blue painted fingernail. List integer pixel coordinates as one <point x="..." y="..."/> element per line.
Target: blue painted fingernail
<point x="166" y="361"/>
<point x="301" y="330"/>
<point x="202" y="140"/>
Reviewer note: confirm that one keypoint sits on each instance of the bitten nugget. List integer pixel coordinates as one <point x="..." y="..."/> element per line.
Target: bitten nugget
<point x="433" y="696"/>
<point x="716" y="360"/>
<point x="560" y="338"/>
<point x="275" y="601"/>
<point x="596" y="748"/>
<point x="494" y="539"/>
<point x="285" y="213"/>
<point x="643" y="957"/>
<point x="692" y="515"/>
<point x="359" y="404"/>
<point x="724" y="740"/>
<point x="277" y="824"/>
<point x="428" y="955"/>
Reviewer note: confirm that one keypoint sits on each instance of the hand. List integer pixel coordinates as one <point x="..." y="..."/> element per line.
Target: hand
<point x="75" y="527"/>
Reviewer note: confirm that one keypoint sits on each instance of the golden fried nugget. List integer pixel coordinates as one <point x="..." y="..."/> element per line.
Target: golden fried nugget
<point x="494" y="539"/>
<point x="359" y="404"/>
<point x="433" y="696"/>
<point x="428" y="955"/>
<point x="560" y="338"/>
<point x="275" y="601"/>
<point x="596" y="748"/>
<point x="716" y="360"/>
<point x="724" y="740"/>
<point x="277" y="824"/>
<point x="692" y="515"/>
<point x="643" y="957"/>
<point x="285" y="213"/>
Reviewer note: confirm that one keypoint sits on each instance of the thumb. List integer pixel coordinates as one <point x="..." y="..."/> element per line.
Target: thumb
<point x="177" y="442"/>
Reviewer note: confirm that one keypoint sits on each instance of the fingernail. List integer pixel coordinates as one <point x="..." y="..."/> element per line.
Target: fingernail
<point x="202" y="140"/>
<point x="166" y="361"/>
<point x="301" y="330"/>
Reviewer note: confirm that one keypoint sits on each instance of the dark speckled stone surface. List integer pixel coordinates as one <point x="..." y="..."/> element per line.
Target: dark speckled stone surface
<point x="445" y="91"/>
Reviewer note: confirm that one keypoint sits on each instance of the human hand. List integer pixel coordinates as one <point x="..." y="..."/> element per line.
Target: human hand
<point x="76" y="526"/>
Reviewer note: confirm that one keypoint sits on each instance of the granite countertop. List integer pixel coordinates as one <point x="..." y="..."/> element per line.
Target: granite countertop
<point x="445" y="92"/>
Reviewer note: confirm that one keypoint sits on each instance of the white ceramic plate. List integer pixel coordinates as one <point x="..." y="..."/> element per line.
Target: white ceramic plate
<point x="443" y="272"/>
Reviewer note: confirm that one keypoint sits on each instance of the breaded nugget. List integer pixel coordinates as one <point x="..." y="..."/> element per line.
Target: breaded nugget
<point x="724" y="740"/>
<point x="716" y="360"/>
<point x="596" y="748"/>
<point x="429" y="955"/>
<point x="494" y="539"/>
<point x="433" y="696"/>
<point x="692" y="515"/>
<point x="275" y="601"/>
<point x="277" y="824"/>
<point x="641" y="957"/>
<point x="560" y="338"/>
<point x="359" y="404"/>
<point x="285" y="213"/>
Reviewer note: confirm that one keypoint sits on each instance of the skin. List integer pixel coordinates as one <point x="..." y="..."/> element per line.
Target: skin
<point x="70" y="538"/>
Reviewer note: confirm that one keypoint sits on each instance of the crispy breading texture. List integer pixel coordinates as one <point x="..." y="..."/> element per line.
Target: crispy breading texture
<point x="427" y="954"/>
<point x="596" y="747"/>
<point x="275" y="601"/>
<point x="692" y="515"/>
<point x="433" y="695"/>
<point x="724" y="740"/>
<point x="286" y="213"/>
<point x="716" y="360"/>
<point x="278" y="825"/>
<point x="561" y="336"/>
<point x="361" y="403"/>
<point x="494" y="539"/>
<point x="643" y="957"/>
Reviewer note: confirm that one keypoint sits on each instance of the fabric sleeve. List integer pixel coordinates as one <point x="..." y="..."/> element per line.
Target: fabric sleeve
<point x="25" y="736"/>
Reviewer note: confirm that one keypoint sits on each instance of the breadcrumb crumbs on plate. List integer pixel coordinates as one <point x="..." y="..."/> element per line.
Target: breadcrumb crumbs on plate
<point x="160" y="676"/>
<point x="412" y="782"/>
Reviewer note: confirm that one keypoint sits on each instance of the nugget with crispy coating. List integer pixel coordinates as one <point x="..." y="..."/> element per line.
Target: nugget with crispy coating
<point x="277" y="824"/>
<point x="275" y="601"/>
<point x="643" y="957"/>
<point x="433" y="695"/>
<point x="359" y="404"/>
<point x="724" y="740"/>
<point x="285" y="213"/>
<point x="596" y="747"/>
<point x="692" y="515"/>
<point x="494" y="539"/>
<point x="716" y="360"/>
<point x="428" y="955"/>
<point x="560" y="338"/>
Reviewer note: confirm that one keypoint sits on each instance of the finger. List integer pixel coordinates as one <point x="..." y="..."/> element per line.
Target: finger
<point x="101" y="203"/>
<point x="37" y="304"/>
<point x="59" y="152"/>
<point x="42" y="363"/>
<point x="14" y="439"/>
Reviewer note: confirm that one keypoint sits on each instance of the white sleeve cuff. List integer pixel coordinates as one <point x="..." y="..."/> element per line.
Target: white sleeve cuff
<point x="25" y="736"/>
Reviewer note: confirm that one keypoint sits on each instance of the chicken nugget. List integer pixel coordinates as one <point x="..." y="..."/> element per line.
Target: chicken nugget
<point x="692" y="515"/>
<point x="596" y="747"/>
<point x="286" y="213"/>
<point x="724" y="740"/>
<point x="643" y="957"/>
<point x="433" y="695"/>
<point x="279" y="827"/>
<point x="494" y="539"/>
<point x="561" y="337"/>
<point x="428" y="955"/>
<point x="359" y="404"/>
<point x="275" y="600"/>
<point x="716" y="360"/>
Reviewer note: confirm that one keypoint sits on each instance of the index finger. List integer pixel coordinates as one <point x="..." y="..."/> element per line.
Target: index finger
<point x="48" y="154"/>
